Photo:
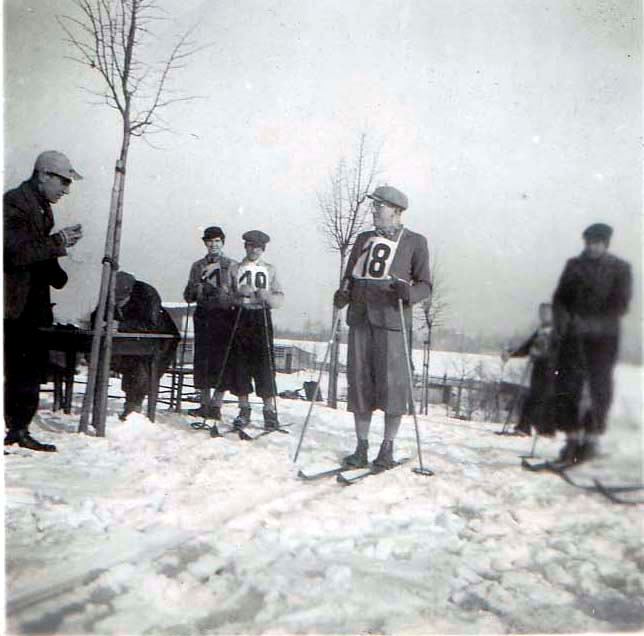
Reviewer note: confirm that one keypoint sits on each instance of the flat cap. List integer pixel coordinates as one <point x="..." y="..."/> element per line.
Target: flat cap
<point x="257" y="237"/>
<point x="56" y="163"/>
<point x="390" y="195"/>
<point x="598" y="232"/>
<point x="213" y="232"/>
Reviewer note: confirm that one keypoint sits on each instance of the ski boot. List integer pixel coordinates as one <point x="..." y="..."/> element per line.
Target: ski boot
<point x="359" y="459"/>
<point x="586" y="451"/>
<point x="568" y="454"/>
<point x="202" y="411"/>
<point x="214" y="412"/>
<point x="271" y="422"/>
<point x="385" y="459"/>
<point x="24" y="440"/>
<point x="130" y="407"/>
<point x="243" y="419"/>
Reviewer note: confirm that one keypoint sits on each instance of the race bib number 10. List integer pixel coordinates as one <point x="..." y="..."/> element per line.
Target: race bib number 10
<point x="375" y="259"/>
<point x="255" y="276"/>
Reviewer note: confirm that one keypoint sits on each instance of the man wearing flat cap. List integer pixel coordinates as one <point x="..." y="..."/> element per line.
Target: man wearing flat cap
<point x="210" y="286"/>
<point x="593" y="293"/>
<point x="257" y="290"/>
<point x="31" y="267"/>
<point x="386" y="264"/>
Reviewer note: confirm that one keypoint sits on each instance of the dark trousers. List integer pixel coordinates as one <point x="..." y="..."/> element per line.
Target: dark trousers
<point x="136" y="371"/>
<point x="538" y="408"/>
<point x="252" y="354"/>
<point x="25" y="362"/>
<point x="582" y="359"/>
<point x="213" y="328"/>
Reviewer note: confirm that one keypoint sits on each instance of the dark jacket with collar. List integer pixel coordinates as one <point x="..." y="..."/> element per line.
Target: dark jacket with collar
<point x="592" y="295"/>
<point x="30" y="256"/>
<point x="373" y="300"/>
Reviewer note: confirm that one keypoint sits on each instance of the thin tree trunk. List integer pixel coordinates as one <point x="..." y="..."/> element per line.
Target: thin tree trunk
<point x="102" y="390"/>
<point x="332" y="398"/>
<point x="99" y="317"/>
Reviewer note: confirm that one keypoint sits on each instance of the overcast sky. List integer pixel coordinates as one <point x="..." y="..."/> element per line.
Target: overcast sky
<point x="511" y="125"/>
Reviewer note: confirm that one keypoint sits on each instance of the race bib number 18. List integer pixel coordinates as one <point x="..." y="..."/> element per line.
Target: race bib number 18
<point x="255" y="276"/>
<point x="375" y="259"/>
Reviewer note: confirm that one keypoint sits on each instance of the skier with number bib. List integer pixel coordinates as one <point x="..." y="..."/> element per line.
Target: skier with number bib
<point x="256" y="290"/>
<point x="386" y="264"/>
<point x="210" y="286"/>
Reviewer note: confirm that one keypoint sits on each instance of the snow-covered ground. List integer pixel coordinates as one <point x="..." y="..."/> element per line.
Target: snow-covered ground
<point x="159" y="529"/>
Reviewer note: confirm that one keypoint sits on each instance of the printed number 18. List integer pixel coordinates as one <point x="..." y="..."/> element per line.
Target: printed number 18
<point x="375" y="261"/>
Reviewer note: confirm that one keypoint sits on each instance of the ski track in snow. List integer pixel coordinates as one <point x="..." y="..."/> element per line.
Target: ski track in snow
<point x="159" y="529"/>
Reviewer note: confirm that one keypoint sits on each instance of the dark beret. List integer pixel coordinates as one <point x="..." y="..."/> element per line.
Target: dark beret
<point x="598" y="232"/>
<point x="213" y="232"/>
<point x="256" y="237"/>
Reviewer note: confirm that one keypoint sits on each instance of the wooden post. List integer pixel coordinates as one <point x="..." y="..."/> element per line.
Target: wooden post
<point x="99" y="318"/>
<point x="100" y="399"/>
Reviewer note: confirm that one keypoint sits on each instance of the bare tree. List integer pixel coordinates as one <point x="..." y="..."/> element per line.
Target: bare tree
<point x="343" y="213"/>
<point x="430" y="314"/>
<point x="111" y="37"/>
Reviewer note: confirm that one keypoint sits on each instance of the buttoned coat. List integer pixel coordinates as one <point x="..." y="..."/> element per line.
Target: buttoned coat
<point x="30" y="256"/>
<point x="374" y="300"/>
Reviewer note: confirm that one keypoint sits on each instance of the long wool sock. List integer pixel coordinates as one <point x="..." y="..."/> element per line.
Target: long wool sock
<point x="218" y="399"/>
<point x="392" y="424"/>
<point x="362" y="424"/>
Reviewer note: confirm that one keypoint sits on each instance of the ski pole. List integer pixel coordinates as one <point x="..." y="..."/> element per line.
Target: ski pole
<point x="229" y="346"/>
<point x="421" y="470"/>
<point x="535" y="437"/>
<point x="334" y="328"/>
<point x="524" y="376"/>
<point x="182" y="359"/>
<point x="269" y="351"/>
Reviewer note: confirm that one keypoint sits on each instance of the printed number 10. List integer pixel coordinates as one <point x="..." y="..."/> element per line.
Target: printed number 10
<point x="247" y="279"/>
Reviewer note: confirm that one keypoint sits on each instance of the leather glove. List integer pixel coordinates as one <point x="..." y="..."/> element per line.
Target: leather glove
<point x="341" y="298"/>
<point x="402" y="290"/>
<point x="245" y="291"/>
<point x="71" y="234"/>
<point x="264" y="295"/>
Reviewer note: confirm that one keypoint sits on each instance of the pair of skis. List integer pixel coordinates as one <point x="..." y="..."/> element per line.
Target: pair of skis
<point x="346" y="475"/>
<point x="614" y="493"/>
<point x="240" y="432"/>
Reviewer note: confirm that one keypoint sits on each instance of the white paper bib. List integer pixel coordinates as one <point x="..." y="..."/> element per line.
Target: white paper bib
<point x="376" y="258"/>
<point x="255" y="276"/>
<point x="212" y="274"/>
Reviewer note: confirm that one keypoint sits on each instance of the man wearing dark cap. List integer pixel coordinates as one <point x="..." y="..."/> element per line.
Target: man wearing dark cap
<point x="593" y="293"/>
<point x="209" y="285"/>
<point x="137" y="308"/>
<point x="386" y="264"/>
<point x="30" y="268"/>
<point x="257" y="290"/>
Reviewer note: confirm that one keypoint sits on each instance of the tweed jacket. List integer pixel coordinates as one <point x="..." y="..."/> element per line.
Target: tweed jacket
<point x="373" y="300"/>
